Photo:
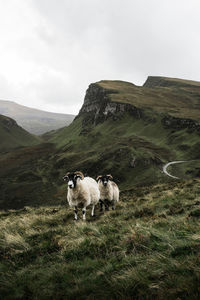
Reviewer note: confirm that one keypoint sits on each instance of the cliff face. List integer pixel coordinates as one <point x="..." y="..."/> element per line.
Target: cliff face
<point x="178" y="123"/>
<point x="112" y="99"/>
<point x="98" y="106"/>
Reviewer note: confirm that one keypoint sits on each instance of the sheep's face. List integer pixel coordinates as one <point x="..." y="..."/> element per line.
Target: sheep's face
<point x="104" y="179"/>
<point x="73" y="179"/>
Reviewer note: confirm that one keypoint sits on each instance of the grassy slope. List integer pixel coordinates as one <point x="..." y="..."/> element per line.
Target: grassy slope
<point x="112" y="145"/>
<point x="28" y="177"/>
<point x="178" y="99"/>
<point x="147" y="249"/>
<point x="13" y="136"/>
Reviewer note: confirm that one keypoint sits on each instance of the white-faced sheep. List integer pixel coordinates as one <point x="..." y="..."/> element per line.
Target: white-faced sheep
<point x="109" y="191"/>
<point x="82" y="191"/>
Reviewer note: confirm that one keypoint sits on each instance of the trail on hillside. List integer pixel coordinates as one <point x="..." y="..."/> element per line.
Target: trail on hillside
<point x="172" y="163"/>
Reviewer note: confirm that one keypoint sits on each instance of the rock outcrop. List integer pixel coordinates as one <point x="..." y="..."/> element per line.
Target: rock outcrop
<point x="98" y="106"/>
<point x="178" y="123"/>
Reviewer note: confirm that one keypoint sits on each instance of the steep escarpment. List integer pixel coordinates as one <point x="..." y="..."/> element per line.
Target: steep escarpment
<point x="98" y="105"/>
<point x="176" y="101"/>
<point x="130" y="131"/>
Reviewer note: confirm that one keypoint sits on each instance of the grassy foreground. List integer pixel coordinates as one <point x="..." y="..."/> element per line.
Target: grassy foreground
<point x="148" y="248"/>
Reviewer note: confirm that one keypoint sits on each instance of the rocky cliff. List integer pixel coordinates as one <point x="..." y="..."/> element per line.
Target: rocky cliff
<point x="178" y="123"/>
<point x="111" y="99"/>
<point x="98" y="106"/>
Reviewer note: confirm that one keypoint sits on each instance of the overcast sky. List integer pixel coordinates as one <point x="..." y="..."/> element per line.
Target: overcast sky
<point x="51" y="50"/>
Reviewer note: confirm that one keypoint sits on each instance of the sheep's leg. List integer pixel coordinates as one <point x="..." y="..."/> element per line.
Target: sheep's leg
<point x="75" y="213"/>
<point x="101" y="205"/>
<point x="106" y="204"/>
<point x="84" y="213"/>
<point x="92" y="212"/>
<point x="113" y="205"/>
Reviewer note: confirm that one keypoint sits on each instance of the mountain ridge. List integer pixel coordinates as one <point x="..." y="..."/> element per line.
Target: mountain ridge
<point x="34" y="120"/>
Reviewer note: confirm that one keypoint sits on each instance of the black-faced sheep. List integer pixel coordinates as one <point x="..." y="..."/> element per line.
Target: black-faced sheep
<point x="109" y="191"/>
<point x="82" y="191"/>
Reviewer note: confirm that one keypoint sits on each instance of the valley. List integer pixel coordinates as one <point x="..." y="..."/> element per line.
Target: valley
<point x="148" y="248"/>
<point x="122" y="129"/>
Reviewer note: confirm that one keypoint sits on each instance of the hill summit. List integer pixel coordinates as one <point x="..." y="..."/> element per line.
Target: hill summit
<point x="175" y="97"/>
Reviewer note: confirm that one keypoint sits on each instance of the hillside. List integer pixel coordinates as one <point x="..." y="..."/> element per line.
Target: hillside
<point x="33" y="120"/>
<point x="132" y="131"/>
<point x="120" y="130"/>
<point x="13" y="136"/>
<point x="148" y="248"/>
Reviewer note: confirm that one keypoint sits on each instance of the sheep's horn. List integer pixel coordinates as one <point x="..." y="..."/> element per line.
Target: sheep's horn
<point x="79" y="173"/>
<point x="110" y="176"/>
<point x="98" y="177"/>
<point x="66" y="175"/>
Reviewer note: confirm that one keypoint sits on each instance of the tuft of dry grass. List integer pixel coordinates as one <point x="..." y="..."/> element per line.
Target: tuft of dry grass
<point x="148" y="247"/>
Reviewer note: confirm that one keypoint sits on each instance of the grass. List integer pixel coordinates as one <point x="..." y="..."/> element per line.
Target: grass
<point x="148" y="248"/>
<point x="33" y="175"/>
<point x="112" y="145"/>
<point x="179" y="98"/>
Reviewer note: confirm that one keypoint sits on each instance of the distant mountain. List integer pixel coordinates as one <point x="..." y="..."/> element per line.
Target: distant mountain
<point x="13" y="136"/>
<point x="33" y="120"/>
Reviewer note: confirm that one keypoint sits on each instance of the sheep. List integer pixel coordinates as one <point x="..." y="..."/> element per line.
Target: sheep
<point x="109" y="191"/>
<point x="82" y="191"/>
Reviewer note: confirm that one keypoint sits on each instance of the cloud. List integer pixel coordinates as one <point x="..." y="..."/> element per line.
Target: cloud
<point x="51" y="51"/>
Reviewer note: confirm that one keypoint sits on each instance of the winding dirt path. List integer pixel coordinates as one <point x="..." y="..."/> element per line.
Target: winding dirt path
<point x="172" y="163"/>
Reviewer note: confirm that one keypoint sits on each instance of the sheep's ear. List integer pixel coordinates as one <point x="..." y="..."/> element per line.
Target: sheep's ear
<point x="110" y="177"/>
<point x="98" y="178"/>
<point x="79" y="174"/>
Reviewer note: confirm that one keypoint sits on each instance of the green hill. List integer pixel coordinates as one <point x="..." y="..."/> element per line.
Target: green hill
<point x="148" y="248"/>
<point x="13" y="136"/>
<point x="132" y="131"/>
<point x="122" y="129"/>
